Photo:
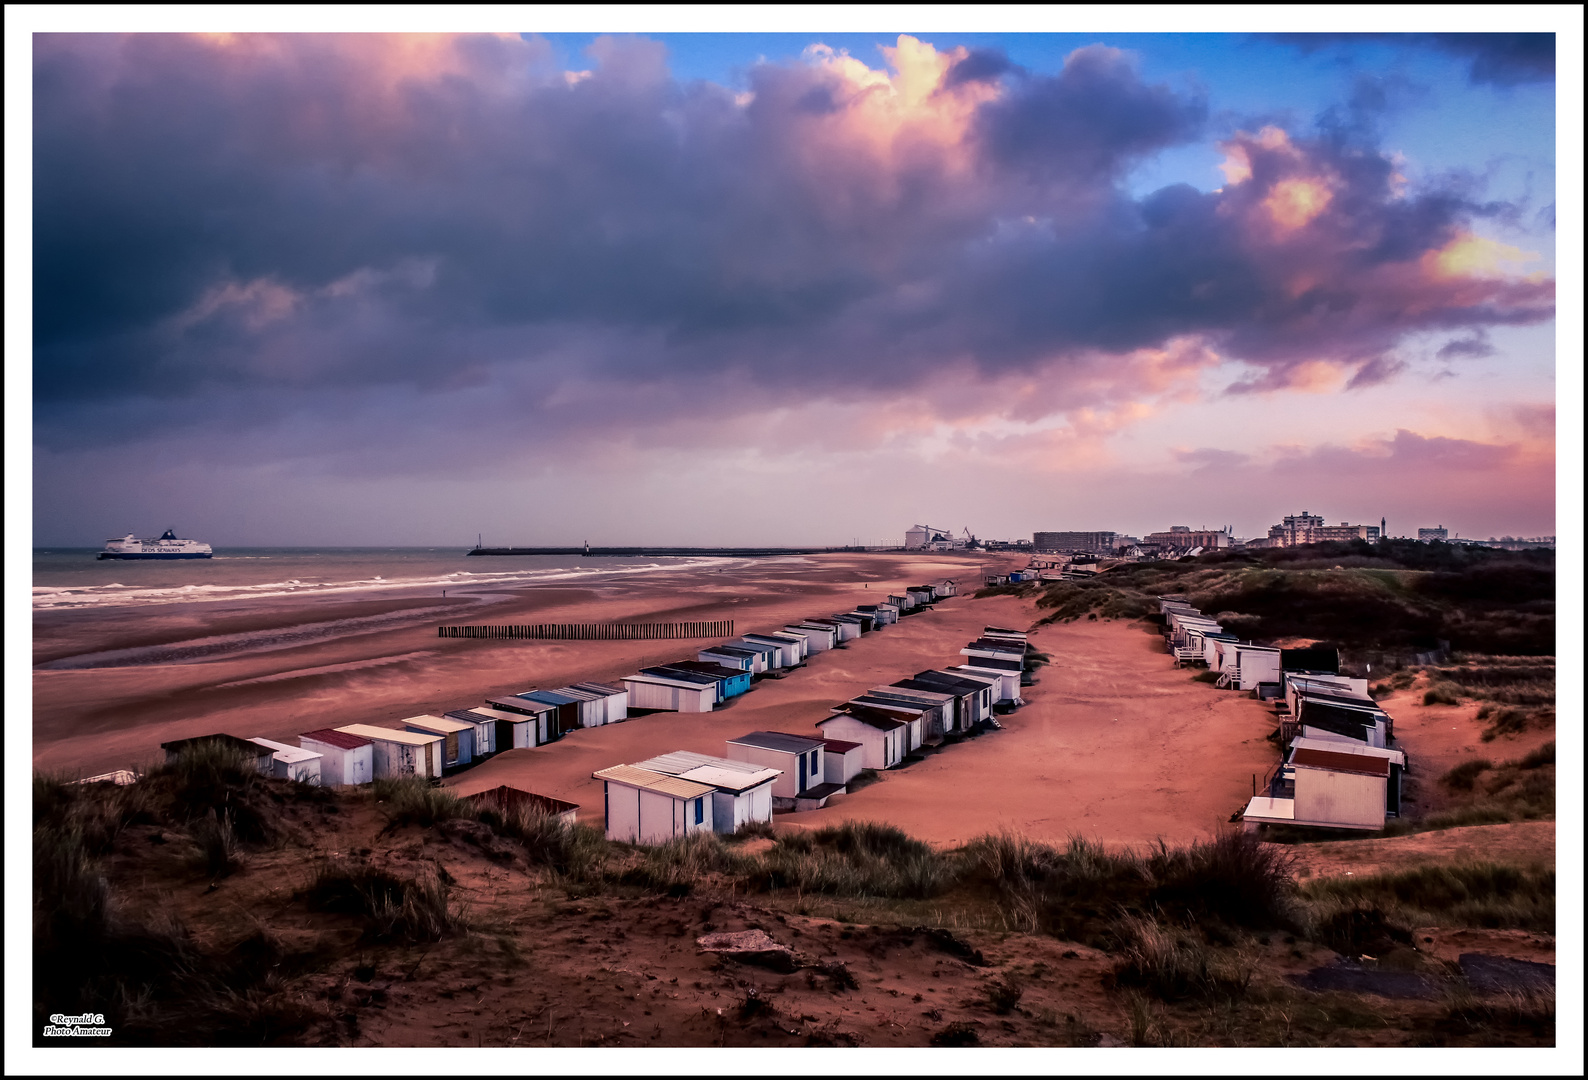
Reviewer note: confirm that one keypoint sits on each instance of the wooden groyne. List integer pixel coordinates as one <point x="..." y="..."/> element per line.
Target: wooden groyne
<point x="593" y="631"/>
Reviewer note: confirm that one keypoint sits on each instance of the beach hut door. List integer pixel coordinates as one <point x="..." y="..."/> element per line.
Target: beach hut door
<point x="802" y="772"/>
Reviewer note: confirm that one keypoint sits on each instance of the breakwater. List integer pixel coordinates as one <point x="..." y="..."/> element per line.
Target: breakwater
<point x="593" y="631"/>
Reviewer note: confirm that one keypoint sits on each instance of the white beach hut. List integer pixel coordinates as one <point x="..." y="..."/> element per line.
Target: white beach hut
<point x="293" y="762"/>
<point x="400" y="753"/>
<point x="344" y="759"/>
<point x="643" y="807"/>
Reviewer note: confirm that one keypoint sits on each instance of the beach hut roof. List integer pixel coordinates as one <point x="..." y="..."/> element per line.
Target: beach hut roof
<point x="678" y="674"/>
<point x="512" y="798"/>
<point x="778" y="740"/>
<point x="870" y="717"/>
<point x="1338" y="762"/>
<point x="706" y="667"/>
<point x="675" y="786"/>
<point x="731" y="780"/>
<point x="438" y="724"/>
<point x="286" y="751"/>
<point x="520" y="704"/>
<point x="992" y="663"/>
<point x="378" y="734"/>
<point x="679" y="762"/>
<point x="333" y="737"/>
<point x="839" y="746"/>
<point x="599" y="689"/>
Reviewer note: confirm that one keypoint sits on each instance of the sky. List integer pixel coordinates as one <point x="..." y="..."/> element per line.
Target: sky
<point x="791" y="288"/>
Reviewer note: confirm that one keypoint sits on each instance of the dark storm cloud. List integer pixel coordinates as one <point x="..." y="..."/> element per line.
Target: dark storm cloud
<point x="1498" y="59"/>
<point x="280" y="220"/>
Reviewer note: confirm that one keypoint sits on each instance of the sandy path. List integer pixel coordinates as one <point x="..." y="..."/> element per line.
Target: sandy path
<point x="1114" y="743"/>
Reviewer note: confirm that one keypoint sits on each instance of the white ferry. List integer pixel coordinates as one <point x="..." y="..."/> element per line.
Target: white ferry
<point x="169" y="546"/>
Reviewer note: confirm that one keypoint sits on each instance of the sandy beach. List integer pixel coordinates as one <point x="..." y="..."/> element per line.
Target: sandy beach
<point x="1114" y="743"/>
<point x="94" y="719"/>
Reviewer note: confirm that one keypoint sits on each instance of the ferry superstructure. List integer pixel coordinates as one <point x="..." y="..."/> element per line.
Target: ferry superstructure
<point x="168" y="546"/>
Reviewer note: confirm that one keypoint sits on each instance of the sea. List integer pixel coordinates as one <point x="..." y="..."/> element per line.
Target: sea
<point x="69" y="580"/>
<point x="73" y="578"/>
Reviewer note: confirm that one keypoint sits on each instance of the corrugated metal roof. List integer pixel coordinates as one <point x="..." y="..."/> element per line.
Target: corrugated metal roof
<point x="681" y="761"/>
<point x="870" y="717"/>
<point x="903" y="709"/>
<point x="684" y="675"/>
<point x="914" y="693"/>
<point x="1338" y="762"/>
<point x="650" y="781"/>
<point x="672" y="680"/>
<point x="286" y="751"/>
<point x="778" y="740"/>
<point x="496" y="714"/>
<point x="731" y="779"/>
<point x="1301" y="742"/>
<point x="407" y="738"/>
<point x="710" y="670"/>
<point x="991" y="662"/>
<point x="438" y="724"/>
<point x="599" y="689"/>
<point x="515" y="703"/>
<point x="339" y="739"/>
<point x="552" y="697"/>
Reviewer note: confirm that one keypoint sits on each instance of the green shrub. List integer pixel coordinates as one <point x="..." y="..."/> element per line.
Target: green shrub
<point x="1479" y="894"/>
<point x="218" y="777"/>
<point x="218" y="854"/>
<point x="679" y="865"/>
<point x="1173" y="966"/>
<point x="1535" y="759"/>
<point x="417" y="800"/>
<point x="1206" y="677"/>
<point x="395" y="908"/>
<point x="1442" y="694"/>
<point x="853" y="859"/>
<point x="1461" y="777"/>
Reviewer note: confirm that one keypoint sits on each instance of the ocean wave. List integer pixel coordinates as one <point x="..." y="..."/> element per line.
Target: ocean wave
<point x="47" y="597"/>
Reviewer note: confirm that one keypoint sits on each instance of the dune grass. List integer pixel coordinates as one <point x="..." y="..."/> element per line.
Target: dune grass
<point x="1478" y="894"/>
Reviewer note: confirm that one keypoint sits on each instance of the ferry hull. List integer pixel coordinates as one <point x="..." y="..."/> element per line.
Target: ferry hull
<point x="156" y="555"/>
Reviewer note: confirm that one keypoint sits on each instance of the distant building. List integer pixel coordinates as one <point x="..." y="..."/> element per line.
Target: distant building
<point x="1183" y="536"/>
<point x="1428" y="536"/>
<point x="1305" y="528"/>
<point x="1095" y="543"/>
<point x="927" y="538"/>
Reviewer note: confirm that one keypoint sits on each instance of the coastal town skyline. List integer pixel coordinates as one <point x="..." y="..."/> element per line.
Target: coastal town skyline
<point x="402" y="289"/>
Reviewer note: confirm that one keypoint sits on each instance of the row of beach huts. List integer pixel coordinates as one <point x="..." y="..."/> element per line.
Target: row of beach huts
<point x="432" y="746"/>
<point x="682" y="792"/>
<point x="1339" y="767"/>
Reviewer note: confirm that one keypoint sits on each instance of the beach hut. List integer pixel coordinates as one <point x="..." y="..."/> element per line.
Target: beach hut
<point x="262" y="756"/>
<point x="457" y="736"/>
<point x="505" y="799"/>
<point x="946" y="588"/>
<point x="734" y="656"/>
<point x="990" y="684"/>
<point x="1007" y="672"/>
<point x="731" y="682"/>
<point x="643" y="807"/>
<point x="923" y="594"/>
<point x="817" y="638"/>
<point x="506" y="730"/>
<point x="903" y="601"/>
<point x="841" y="760"/>
<point x="591" y="705"/>
<point x="1330" y="788"/>
<point x="743" y="790"/>
<point x="1004" y="633"/>
<point x="848" y="626"/>
<point x="568" y="707"/>
<point x="614" y="700"/>
<point x="920" y="717"/>
<point x="771" y="655"/>
<point x="1253" y="664"/>
<point x="293" y="762"/>
<point x="797" y="757"/>
<point x="884" y="738"/>
<point x="970" y="698"/>
<point x="400" y="753"/>
<point x="670" y="693"/>
<point x="344" y="759"/>
<point x="883" y="614"/>
<point x="791" y="646"/>
<point x="943" y="717"/>
<point x="540" y="718"/>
